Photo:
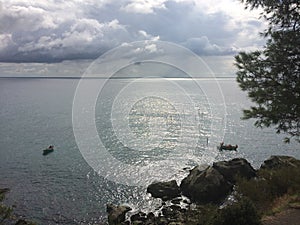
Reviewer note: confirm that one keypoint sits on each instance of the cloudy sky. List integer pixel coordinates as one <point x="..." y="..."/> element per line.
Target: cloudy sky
<point x="47" y="31"/>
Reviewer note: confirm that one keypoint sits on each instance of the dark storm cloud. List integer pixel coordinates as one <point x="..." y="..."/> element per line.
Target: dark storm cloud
<point x="50" y="31"/>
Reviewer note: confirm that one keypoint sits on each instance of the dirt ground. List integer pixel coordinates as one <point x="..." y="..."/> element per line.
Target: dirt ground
<point x="287" y="217"/>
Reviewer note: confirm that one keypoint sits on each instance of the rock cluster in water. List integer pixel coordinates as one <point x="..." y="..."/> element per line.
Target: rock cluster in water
<point x="203" y="185"/>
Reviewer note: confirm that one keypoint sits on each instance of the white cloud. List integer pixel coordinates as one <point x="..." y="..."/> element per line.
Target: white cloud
<point x="55" y="30"/>
<point x="230" y="7"/>
<point x="23" y="18"/>
<point x="146" y="36"/>
<point x="151" y="48"/>
<point x="144" y="6"/>
<point x="203" y="46"/>
<point x="5" y="40"/>
<point x="82" y="33"/>
<point x="148" y="49"/>
<point x="114" y="24"/>
<point x="143" y="33"/>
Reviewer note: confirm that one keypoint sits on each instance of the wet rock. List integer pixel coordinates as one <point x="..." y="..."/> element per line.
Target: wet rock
<point x="138" y="217"/>
<point x="175" y="207"/>
<point x="277" y="161"/>
<point x="234" y="168"/>
<point x="168" y="212"/>
<point x="137" y="222"/>
<point x="150" y="215"/>
<point x="116" y="214"/>
<point x="186" y="168"/>
<point x="21" y="222"/>
<point x="176" y="201"/>
<point x="208" y="186"/>
<point x="186" y="201"/>
<point x="162" y="221"/>
<point x="172" y="213"/>
<point x="3" y="190"/>
<point x="164" y="190"/>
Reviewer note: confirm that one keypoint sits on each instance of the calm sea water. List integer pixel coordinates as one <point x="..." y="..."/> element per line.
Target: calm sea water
<point x="153" y="128"/>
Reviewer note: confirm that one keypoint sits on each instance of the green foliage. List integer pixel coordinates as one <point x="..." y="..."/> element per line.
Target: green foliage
<point x="202" y="215"/>
<point x="5" y="212"/>
<point x="279" y="13"/>
<point x="270" y="185"/>
<point x="272" y="76"/>
<point x="258" y="191"/>
<point x="242" y="212"/>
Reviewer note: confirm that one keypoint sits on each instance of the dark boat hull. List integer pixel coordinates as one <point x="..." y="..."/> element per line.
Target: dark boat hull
<point x="47" y="151"/>
<point x="226" y="148"/>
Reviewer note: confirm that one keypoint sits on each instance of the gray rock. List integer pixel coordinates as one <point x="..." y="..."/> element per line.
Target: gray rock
<point x="277" y="161"/>
<point x="234" y="168"/>
<point x="150" y="215"/>
<point x="116" y="214"/>
<point x="141" y="216"/>
<point x="137" y="222"/>
<point x="164" y="190"/>
<point x="205" y="186"/>
<point x="125" y="223"/>
<point x="175" y="207"/>
<point x="186" y="201"/>
<point x="162" y="221"/>
<point x="21" y="222"/>
<point x="3" y="190"/>
<point x="176" y="223"/>
<point x="176" y="201"/>
<point x="168" y="212"/>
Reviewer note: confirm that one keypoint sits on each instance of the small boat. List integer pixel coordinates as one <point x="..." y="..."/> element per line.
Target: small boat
<point x="228" y="147"/>
<point x="48" y="150"/>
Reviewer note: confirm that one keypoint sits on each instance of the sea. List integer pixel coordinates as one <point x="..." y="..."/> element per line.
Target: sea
<point x="113" y="137"/>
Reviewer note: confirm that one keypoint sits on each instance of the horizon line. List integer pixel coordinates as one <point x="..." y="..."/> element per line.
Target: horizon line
<point x="137" y="77"/>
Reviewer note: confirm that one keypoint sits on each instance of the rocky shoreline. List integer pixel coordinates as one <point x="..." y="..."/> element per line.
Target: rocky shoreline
<point x="210" y="195"/>
<point x="6" y="213"/>
<point x="203" y="190"/>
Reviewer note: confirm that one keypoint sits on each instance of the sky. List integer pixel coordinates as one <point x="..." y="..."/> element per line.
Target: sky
<point x="36" y="33"/>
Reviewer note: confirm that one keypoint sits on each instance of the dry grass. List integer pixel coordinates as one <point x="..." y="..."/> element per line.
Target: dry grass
<point x="273" y="190"/>
<point x="283" y="203"/>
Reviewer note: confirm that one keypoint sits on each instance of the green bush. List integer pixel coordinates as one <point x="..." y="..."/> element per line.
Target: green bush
<point x="282" y="181"/>
<point x="257" y="190"/>
<point x="202" y="215"/>
<point x="269" y="185"/>
<point x="242" y="212"/>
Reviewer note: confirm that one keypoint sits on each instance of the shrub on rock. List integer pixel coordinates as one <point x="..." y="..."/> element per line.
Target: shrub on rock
<point x="277" y="162"/>
<point x="242" y="212"/>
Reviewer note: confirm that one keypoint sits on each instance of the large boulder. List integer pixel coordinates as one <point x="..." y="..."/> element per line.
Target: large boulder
<point x="116" y="214"/>
<point x="279" y="161"/>
<point x="234" y="168"/>
<point x="164" y="190"/>
<point x="208" y="186"/>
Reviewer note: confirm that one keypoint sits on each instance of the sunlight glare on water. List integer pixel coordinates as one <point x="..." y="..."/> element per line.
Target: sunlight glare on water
<point x="152" y="123"/>
<point x="35" y="116"/>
